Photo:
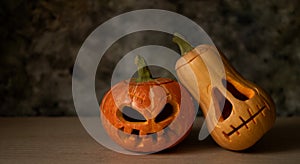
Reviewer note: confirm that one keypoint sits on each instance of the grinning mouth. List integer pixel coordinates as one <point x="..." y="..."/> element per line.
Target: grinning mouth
<point x="244" y="123"/>
<point x="151" y="139"/>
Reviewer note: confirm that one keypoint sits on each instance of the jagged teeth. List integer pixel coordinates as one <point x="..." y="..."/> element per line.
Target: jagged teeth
<point x="149" y="140"/>
<point x="123" y="135"/>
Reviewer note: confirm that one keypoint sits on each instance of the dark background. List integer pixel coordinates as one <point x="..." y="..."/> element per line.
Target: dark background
<point x="40" y="41"/>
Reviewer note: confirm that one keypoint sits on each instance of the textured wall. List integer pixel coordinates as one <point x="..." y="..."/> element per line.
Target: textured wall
<point x="40" y="41"/>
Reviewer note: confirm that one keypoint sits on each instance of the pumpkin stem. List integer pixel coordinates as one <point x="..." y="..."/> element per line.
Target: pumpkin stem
<point x="184" y="45"/>
<point x="144" y="73"/>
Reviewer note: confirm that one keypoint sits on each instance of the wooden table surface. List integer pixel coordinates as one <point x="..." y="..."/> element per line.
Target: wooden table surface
<point x="64" y="140"/>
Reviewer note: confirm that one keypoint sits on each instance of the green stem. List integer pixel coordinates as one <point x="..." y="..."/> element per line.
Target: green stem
<point x="144" y="73"/>
<point x="184" y="45"/>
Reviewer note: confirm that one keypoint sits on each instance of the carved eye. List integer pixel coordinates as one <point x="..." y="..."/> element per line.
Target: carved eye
<point x="165" y="113"/>
<point x="239" y="92"/>
<point x="132" y="115"/>
<point x="219" y="98"/>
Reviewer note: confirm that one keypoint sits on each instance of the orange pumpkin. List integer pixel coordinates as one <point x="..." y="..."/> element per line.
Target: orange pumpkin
<point x="145" y="114"/>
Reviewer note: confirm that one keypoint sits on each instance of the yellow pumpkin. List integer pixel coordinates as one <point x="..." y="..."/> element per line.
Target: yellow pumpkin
<point x="242" y="112"/>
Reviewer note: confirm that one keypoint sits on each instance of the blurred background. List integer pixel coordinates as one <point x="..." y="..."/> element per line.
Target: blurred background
<point x="40" y="40"/>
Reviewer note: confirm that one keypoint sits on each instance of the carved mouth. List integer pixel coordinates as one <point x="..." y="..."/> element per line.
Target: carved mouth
<point x="151" y="139"/>
<point x="244" y="123"/>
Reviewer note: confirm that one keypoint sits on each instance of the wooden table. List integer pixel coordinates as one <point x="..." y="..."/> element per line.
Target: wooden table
<point x="64" y="140"/>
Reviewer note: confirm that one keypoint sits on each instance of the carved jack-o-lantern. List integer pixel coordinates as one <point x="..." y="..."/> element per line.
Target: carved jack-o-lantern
<point x="146" y="114"/>
<point x="241" y="111"/>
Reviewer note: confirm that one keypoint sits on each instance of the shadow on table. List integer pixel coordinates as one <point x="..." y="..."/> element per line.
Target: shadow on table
<point x="284" y="136"/>
<point x="192" y="145"/>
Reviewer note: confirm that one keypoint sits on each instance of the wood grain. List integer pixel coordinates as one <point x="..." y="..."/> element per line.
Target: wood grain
<point x="64" y="140"/>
